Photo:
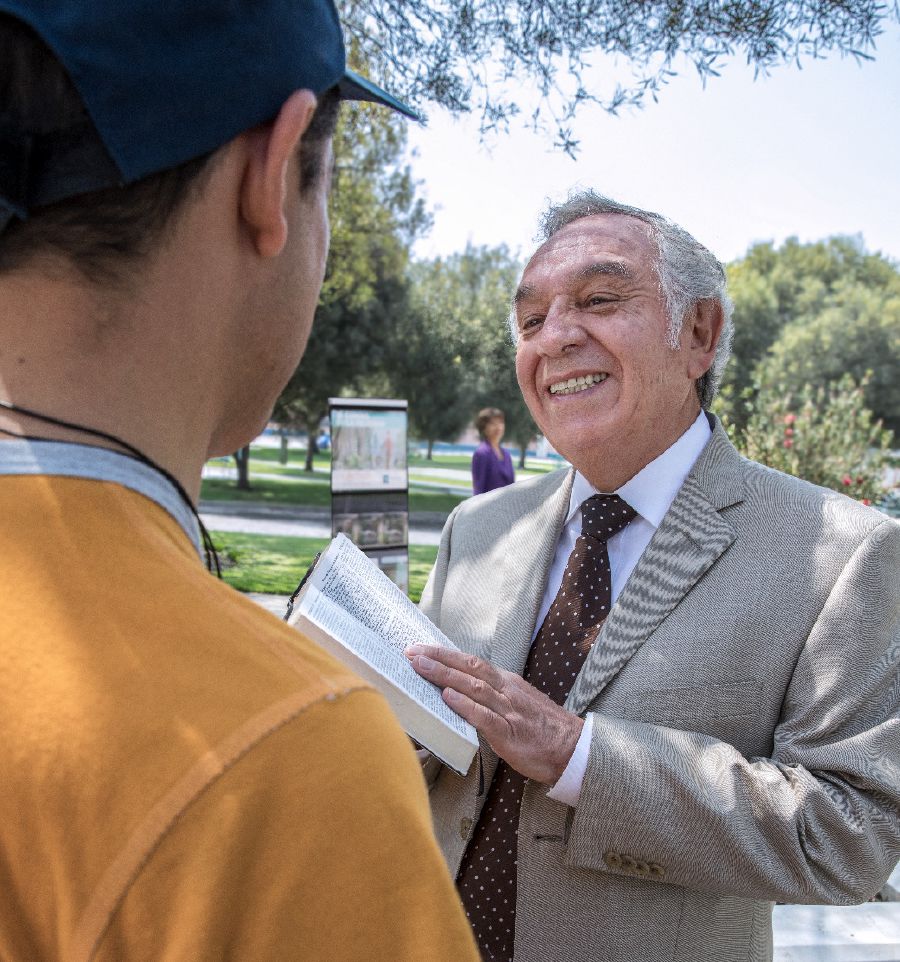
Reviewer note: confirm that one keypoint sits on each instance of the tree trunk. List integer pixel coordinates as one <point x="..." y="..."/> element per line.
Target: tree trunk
<point x="522" y="449"/>
<point x="283" y="456"/>
<point x="430" y="449"/>
<point x="312" y="448"/>
<point x="242" y="459"/>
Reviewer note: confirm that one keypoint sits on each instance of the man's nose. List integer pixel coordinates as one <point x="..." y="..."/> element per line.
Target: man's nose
<point x="561" y="329"/>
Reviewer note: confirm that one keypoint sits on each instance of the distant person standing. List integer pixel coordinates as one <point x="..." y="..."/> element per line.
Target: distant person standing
<point x="492" y="465"/>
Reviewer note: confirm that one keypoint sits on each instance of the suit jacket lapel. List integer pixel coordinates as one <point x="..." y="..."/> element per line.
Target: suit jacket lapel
<point x="690" y="538"/>
<point x="529" y="550"/>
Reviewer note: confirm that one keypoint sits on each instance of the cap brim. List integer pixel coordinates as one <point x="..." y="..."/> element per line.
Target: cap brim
<point x="353" y="87"/>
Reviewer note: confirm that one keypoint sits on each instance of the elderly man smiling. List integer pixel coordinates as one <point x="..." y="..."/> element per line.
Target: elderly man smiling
<point x="683" y="665"/>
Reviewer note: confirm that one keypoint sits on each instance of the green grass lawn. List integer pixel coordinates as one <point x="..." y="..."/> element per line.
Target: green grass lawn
<point x="274" y="564"/>
<point x="463" y="462"/>
<point x="297" y="458"/>
<point x="314" y="491"/>
<point x="311" y="490"/>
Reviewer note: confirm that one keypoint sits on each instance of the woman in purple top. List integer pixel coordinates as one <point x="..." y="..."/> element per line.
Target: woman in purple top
<point x="492" y="465"/>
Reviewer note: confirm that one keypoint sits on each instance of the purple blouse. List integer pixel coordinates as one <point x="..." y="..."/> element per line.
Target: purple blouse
<point x="488" y="471"/>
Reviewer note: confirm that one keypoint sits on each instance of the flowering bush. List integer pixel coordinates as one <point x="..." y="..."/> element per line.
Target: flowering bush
<point x="824" y="435"/>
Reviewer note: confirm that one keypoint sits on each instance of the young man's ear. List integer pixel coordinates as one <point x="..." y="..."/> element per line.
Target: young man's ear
<point x="264" y="190"/>
<point x="702" y="329"/>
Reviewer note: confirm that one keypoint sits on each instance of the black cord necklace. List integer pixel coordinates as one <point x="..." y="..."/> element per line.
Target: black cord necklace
<point x="209" y="549"/>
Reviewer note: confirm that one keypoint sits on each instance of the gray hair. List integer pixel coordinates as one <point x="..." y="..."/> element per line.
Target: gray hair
<point x="687" y="273"/>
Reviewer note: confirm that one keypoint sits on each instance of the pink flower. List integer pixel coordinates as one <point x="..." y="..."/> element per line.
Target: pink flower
<point x="866" y="501"/>
<point x="847" y="480"/>
<point x="788" y="443"/>
<point x="788" y="432"/>
<point x="790" y="418"/>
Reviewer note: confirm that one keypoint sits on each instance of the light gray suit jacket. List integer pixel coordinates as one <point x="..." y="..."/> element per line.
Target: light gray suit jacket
<point x="746" y="743"/>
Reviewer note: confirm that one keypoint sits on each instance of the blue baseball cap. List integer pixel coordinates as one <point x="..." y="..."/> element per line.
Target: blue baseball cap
<point x="165" y="81"/>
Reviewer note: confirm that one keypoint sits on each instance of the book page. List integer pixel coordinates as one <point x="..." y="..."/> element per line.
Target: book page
<point x="350" y="598"/>
<point x="346" y="576"/>
<point x="387" y="659"/>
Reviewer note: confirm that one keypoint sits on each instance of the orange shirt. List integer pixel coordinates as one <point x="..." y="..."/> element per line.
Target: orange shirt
<point x="183" y="776"/>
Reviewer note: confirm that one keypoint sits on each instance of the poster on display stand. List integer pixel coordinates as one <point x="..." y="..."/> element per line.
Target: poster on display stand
<point x="370" y="480"/>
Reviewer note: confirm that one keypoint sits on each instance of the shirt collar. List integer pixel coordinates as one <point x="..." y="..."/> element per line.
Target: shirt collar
<point x="652" y="490"/>
<point x="67" y="459"/>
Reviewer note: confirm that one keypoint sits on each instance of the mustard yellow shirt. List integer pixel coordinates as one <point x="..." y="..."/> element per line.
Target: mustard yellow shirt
<point x="184" y="777"/>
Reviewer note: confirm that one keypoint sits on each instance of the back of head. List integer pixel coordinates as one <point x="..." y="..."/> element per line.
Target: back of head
<point x="55" y="193"/>
<point x="688" y="272"/>
<point x="110" y="112"/>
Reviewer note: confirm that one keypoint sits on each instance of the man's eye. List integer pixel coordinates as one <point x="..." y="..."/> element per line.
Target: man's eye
<point x="530" y="322"/>
<point x="596" y="299"/>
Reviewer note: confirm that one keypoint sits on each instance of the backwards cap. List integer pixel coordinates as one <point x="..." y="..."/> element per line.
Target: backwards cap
<point x="165" y="81"/>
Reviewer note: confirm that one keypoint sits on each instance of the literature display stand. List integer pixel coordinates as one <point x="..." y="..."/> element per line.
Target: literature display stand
<point x="370" y="480"/>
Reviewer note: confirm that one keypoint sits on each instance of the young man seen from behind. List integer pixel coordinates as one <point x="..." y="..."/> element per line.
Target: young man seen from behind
<point x="184" y="778"/>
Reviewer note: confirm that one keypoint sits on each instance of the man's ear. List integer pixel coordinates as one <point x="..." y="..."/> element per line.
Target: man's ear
<point x="700" y="336"/>
<point x="264" y="188"/>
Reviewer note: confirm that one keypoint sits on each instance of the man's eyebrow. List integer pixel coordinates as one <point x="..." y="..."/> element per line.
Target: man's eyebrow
<point x="603" y="267"/>
<point x="523" y="293"/>
<point x="614" y="268"/>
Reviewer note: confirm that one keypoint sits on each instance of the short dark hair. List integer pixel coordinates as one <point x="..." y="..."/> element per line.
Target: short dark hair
<point x="102" y="232"/>
<point x="485" y="416"/>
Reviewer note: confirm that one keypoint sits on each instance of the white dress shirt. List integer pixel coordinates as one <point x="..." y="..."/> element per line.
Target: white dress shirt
<point x="650" y="492"/>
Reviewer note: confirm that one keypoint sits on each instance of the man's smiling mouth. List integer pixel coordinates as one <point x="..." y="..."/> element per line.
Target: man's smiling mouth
<point x="575" y="384"/>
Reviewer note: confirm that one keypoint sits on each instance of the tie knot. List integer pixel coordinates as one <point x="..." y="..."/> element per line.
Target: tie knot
<point x="604" y="515"/>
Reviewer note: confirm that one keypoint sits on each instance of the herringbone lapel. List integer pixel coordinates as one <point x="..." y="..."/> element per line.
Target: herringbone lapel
<point x="530" y="546"/>
<point x="690" y="538"/>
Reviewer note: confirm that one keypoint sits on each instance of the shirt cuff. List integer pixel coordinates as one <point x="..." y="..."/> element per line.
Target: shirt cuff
<point x="568" y="788"/>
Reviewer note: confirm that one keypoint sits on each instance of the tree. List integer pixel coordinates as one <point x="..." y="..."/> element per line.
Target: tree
<point x="497" y="57"/>
<point x="455" y="355"/>
<point x="857" y="332"/>
<point x="497" y="383"/>
<point x="824" y="435"/>
<point x="810" y="312"/>
<point x="375" y="217"/>
<point x="432" y="363"/>
<point x="242" y="460"/>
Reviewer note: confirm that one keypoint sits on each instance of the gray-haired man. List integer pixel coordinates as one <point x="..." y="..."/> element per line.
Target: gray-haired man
<point x="696" y="655"/>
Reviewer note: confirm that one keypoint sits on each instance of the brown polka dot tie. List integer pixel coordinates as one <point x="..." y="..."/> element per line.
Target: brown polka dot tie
<point x="487" y="876"/>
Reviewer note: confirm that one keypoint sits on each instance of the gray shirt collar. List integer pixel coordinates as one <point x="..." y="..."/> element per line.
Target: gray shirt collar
<point x="65" y="459"/>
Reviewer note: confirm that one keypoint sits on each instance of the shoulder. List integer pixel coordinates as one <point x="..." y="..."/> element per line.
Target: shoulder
<point x="328" y="811"/>
<point x="820" y="512"/>
<point x="514" y="499"/>
<point x="775" y="508"/>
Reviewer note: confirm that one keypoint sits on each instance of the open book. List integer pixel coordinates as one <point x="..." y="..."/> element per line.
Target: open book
<point x="353" y="610"/>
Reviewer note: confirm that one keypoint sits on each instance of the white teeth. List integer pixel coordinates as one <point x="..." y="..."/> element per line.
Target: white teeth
<point x="575" y="384"/>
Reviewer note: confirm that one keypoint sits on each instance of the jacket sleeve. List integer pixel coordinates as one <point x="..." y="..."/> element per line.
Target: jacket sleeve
<point x="818" y="821"/>
<point x="430" y="604"/>
<point x="433" y="593"/>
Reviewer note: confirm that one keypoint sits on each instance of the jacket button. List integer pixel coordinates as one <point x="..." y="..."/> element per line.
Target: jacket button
<point x="657" y="871"/>
<point x="628" y="863"/>
<point x="465" y="826"/>
<point x="642" y="868"/>
<point x="613" y="860"/>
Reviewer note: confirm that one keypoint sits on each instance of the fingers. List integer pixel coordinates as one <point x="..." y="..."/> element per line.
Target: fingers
<point x="486" y="721"/>
<point x="473" y="686"/>
<point x="458" y="660"/>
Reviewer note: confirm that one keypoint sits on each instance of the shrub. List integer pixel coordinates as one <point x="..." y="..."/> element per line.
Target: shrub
<point x="825" y="435"/>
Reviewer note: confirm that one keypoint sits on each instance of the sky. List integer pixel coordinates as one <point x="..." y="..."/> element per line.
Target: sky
<point x="806" y="153"/>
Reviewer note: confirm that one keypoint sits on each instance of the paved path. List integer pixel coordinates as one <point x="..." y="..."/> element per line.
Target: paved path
<point x="299" y="522"/>
<point x="825" y="933"/>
